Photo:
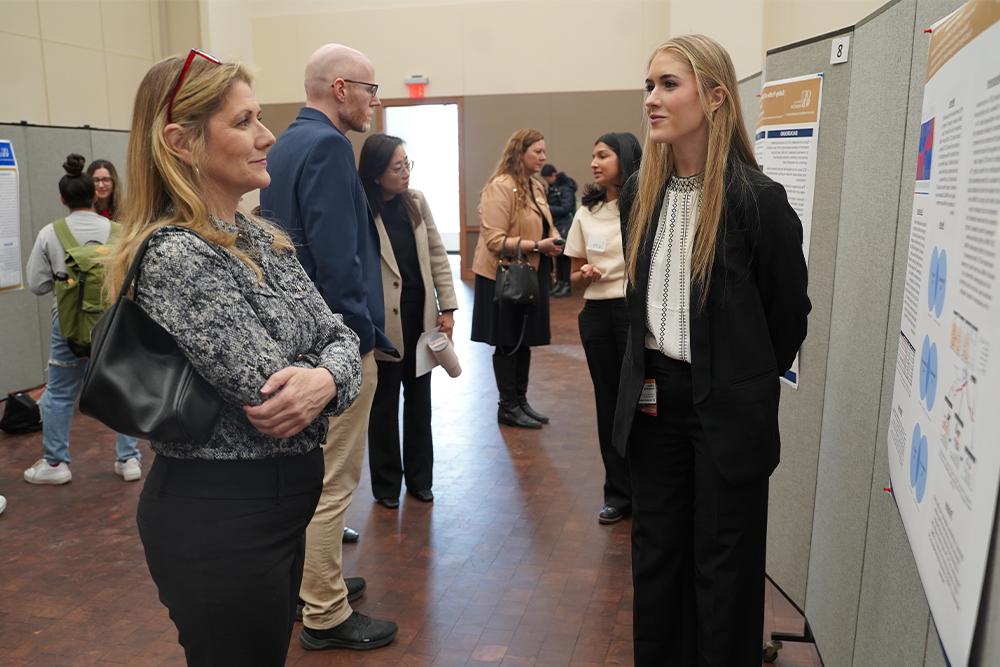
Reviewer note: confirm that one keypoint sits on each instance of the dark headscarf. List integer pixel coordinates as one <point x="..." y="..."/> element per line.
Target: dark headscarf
<point x="629" y="152"/>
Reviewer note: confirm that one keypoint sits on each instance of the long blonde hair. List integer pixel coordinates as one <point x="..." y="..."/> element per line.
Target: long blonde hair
<point x="727" y="141"/>
<point x="163" y="189"/>
<point x="512" y="164"/>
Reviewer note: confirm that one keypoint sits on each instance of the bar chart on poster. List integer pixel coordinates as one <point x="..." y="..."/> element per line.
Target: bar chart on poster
<point x="943" y="456"/>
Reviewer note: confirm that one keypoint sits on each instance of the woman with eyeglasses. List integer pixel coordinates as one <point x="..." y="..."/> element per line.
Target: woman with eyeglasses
<point x="717" y="310"/>
<point x="223" y="522"/>
<point x="108" y="198"/>
<point x="419" y="295"/>
<point x="514" y="220"/>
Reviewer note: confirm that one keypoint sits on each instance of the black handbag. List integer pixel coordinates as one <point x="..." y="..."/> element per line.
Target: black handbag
<point x="516" y="280"/>
<point x="139" y="382"/>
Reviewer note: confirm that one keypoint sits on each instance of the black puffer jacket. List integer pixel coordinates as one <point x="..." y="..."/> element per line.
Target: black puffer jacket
<point x="562" y="202"/>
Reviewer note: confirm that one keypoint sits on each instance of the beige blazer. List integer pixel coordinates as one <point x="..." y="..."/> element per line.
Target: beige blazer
<point x="434" y="269"/>
<point x="498" y="218"/>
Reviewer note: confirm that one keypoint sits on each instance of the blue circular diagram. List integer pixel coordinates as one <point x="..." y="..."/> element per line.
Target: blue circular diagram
<point x="928" y="372"/>
<point x="918" y="463"/>
<point x="937" y="280"/>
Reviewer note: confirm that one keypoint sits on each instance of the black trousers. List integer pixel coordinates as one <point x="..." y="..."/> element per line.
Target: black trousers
<point x="225" y="545"/>
<point x="604" y="333"/>
<point x="563" y="265"/>
<point x="698" y="542"/>
<point x="387" y="472"/>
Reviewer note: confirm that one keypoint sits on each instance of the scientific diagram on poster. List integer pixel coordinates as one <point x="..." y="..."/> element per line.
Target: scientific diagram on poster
<point x="785" y="146"/>
<point x="944" y="461"/>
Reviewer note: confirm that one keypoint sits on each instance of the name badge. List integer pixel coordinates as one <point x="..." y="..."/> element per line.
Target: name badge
<point x="597" y="244"/>
<point x="647" y="398"/>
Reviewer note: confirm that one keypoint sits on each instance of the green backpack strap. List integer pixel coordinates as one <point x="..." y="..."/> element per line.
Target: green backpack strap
<point x="65" y="236"/>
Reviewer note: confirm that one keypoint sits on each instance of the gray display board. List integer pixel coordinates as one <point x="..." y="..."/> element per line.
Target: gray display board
<point x="793" y="485"/>
<point x="25" y="320"/>
<point x="749" y="89"/>
<point x="862" y="595"/>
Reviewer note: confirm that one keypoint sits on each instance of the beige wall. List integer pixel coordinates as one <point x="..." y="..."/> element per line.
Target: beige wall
<point x="467" y="48"/>
<point x="790" y="21"/>
<point x="77" y="62"/>
<point x="493" y="47"/>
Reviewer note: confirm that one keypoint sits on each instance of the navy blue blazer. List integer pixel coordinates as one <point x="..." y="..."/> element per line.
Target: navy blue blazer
<point x="752" y="325"/>
<point x="317" y="197"/>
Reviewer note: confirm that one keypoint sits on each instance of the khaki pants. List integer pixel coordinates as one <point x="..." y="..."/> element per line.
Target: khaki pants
<point x="323" y="589"/>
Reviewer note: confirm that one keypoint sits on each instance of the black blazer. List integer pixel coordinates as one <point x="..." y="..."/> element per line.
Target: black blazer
<point x="748" y="333"/>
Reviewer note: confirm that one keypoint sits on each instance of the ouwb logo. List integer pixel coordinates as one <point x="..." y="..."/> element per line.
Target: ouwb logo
<point x="804" y="101"/>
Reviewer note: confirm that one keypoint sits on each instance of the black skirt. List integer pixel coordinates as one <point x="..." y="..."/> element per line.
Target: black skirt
<point x="501" y="325"/>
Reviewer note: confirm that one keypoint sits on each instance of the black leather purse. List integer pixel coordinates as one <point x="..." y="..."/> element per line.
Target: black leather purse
<point x="139" y="382"/>
<point x="516" y="280"/>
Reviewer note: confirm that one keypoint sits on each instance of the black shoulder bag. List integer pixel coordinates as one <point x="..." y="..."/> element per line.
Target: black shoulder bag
<point x="516" y="283"/>
<point x="139" y="382"/>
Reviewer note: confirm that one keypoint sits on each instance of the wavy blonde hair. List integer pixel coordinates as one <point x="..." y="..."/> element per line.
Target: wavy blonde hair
<point x="163" y="189"/>
<point x="512" y="163"/>
<point x="728" y="142"/>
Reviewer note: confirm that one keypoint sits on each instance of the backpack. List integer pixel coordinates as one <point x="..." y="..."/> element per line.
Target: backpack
<point x="20" y="414"/>
<point x="79" y="300"/>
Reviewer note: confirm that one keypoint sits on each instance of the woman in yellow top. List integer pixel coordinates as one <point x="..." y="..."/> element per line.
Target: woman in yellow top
<point x="594" y="243"/>
<point x="514" y="219"/>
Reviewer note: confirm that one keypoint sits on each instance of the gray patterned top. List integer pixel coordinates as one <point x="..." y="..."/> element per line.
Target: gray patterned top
<point x="237" y="333"/>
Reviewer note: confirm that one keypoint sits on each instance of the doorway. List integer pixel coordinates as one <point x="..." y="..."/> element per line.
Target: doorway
<point x="432" y="130"/>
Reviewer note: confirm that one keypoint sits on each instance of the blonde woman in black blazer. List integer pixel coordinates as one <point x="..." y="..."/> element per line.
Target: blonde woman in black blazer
<point x="419" y="295"/>
<point x="717" y="307"/>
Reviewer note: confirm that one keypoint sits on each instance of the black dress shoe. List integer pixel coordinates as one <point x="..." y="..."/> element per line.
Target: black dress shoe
<point x="388" y="503"/>
<point x="609" y="514"/>
<point x="355" y="589"/>
<point x="358" y="632"/>
<point x="514" y="415"/>
<point x="533" y="413"/>
<point x="351" y="536"/>
<point x="423" y="495"/>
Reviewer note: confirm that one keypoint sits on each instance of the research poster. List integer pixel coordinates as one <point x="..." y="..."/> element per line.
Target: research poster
<point x="944" y="431"/>
<point x="785" y="148"/>
<point x="10" y="221"/>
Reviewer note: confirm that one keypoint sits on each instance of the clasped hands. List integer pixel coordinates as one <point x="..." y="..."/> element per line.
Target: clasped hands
<point x="304" y="392"/>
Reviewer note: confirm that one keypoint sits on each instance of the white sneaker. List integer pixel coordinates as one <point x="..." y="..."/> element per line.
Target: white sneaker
<point x="43" y="473"/>
<point x="3" y="504"/>
<point x="129" y="470"/>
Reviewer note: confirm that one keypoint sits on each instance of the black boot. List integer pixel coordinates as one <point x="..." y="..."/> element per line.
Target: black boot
<point x="523" y="367"/>
<point x="509" y="410"/>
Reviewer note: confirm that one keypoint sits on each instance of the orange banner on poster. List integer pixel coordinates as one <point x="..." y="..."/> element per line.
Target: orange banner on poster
<point x="962" y="26"/>
<point x="790" y="102"/>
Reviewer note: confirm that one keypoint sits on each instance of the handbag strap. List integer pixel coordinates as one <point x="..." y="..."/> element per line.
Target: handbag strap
<point x="133" y="272"/>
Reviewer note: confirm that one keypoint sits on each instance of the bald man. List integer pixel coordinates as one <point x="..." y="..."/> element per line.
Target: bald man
<point x="316" y="195"/>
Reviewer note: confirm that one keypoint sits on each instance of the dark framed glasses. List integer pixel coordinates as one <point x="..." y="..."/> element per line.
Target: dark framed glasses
<point x="192" y="54"/>
<point x="372" y="87"/>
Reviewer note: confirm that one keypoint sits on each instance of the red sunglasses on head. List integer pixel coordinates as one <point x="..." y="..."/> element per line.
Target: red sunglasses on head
<point x="192" y="54"/>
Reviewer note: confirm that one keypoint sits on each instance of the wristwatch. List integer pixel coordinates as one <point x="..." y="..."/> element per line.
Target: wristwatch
<point x="536" y="247"/>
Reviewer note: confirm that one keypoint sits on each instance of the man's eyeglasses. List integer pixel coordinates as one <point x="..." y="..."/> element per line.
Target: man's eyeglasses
<point x="192" y="54"/>
<point x="401" y="167"/>
<point x="372" y="87"/>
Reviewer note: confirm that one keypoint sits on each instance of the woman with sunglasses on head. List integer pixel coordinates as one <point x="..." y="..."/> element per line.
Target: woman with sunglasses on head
<point x="419" y="295"/>
<point x="594" y="243"/>
<point x="514" y="221"/>
<point x="717" y="308"/>
<point x="223" y="522"/>
<point x="108" y="194"/>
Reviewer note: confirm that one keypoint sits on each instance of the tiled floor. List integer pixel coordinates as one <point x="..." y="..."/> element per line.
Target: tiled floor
<point x="508" y="566"/>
